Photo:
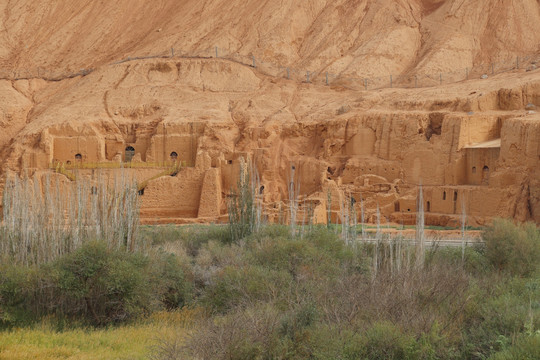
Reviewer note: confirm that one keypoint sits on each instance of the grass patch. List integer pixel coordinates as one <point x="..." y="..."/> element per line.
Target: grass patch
<point x="131" y="341"/>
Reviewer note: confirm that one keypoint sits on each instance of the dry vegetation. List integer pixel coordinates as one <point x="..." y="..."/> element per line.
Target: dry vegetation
<point x="255" y="291"/>
<point x="42" y="221"/>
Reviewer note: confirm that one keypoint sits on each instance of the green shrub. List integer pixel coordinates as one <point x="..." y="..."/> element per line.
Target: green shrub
<point x="101" y="285"/>
<point x="95" y="285"/>
<point x="192" y="237"/>
<point x="320" y="254"/>
<point x="525" y="348"/>
<point x="169" y="281"/>
<point x="246" y="285"/>
<point x="475" y="261"/>
<point x="496" y="314"/>
<point x="513" y="248"/>
<point x="383" y="341"/>
<point x="18" y="285"/>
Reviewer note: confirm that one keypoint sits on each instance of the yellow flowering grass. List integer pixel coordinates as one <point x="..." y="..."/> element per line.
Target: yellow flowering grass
<point x="132" y="341"/>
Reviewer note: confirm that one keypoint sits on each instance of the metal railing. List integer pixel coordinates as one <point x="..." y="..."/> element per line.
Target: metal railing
<point x="320" y="77"/>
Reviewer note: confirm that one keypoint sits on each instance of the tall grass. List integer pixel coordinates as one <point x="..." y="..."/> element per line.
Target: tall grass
<point x="44" y="219"/>
<point x="463" y="226"/>
<point x="294" y="192"/>
<point x="245" y="203"/>
<point x="420" y="224"/>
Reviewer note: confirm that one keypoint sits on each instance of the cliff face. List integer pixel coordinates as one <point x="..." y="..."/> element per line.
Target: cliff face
<point x="473" y="145"/>
<point x="362" y="37"/>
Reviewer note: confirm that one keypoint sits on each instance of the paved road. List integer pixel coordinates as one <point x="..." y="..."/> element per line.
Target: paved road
<point x="431" y="243"/>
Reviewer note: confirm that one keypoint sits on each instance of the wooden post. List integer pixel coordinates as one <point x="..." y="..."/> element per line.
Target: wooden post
<point x="391" y="82"/>
<point x="216" y="52"/>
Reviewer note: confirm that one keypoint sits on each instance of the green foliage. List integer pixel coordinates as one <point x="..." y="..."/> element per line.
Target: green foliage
<point x="241" y="206"/>
<point x="475" y="261"/>
<point x="513" y="248"/>
<point x="383" y="341"/>
<point x="94" y="284"/>
<point x="18" y="285"/>
<point x="191" y="237"/>
<point x="243" y="286"/>
<point x="102" y="285"/>
<point x="499" y="312"/>
<point x="169" y="281"/>
<point x="277" y="296"/>
<point x="527" y="347"/>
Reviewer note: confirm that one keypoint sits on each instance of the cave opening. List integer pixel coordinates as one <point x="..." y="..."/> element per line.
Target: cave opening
<point x="130" y="153"/>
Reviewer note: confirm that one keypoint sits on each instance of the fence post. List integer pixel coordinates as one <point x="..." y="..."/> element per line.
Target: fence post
<point x="365" y="83"/>
<point x="391" y="82"/>
<point x="307" y="76"/>
<point x="327" y="78"/>
<point x="415" y="81"/>
<point x="216" y="52"/>
<point x="440" y="78"/>
<point x="253" y="57"/>
<point x="172" y="52"/>
<point x="288" y="73"/>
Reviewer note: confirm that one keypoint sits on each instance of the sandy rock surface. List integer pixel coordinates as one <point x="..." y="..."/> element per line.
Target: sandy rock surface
<point x="474" y="144"/>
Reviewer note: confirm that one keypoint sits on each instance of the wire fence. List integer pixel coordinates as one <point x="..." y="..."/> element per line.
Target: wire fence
<point x="411" y="80"/>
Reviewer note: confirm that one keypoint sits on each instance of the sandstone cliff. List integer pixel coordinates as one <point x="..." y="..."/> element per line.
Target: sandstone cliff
<point x="474" y="145"/>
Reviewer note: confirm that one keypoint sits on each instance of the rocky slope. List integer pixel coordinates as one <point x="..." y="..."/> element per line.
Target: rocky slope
<point x="473" y="145"/>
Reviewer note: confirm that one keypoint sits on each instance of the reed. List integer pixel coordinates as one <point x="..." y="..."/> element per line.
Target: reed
<point x="44" y="218"/>
<point x="245" y="203"/>
<point x="294" y="193"/>
<point x="420" y="224"/>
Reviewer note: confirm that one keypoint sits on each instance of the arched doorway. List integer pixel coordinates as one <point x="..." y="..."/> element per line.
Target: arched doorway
<point x="485" y="175"/>
<point x="174" y="156"/>
<point x="428" y="206"/>
<point x="78" y="157"/>
<point x="130" y="153"/>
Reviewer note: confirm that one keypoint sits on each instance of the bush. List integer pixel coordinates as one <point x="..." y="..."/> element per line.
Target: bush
<point x="243" y="334"/>
<point x="497" y="313"/>
<point x="383" y="341"/>
<point x="95" y="284"/>
<point x="525" y="348"/>
<point x="169" y="281"/>
<point x="513" y="248"/>
<point x="246" y="285"/>
<point x="18" y="285"/>
<point x="475" y="261"/>
<point x="102" y="285"/>
<point x="192" y="237"/>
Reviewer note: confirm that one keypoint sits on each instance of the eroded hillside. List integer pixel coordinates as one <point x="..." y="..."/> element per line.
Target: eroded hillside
<point x="474" y="145"/>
